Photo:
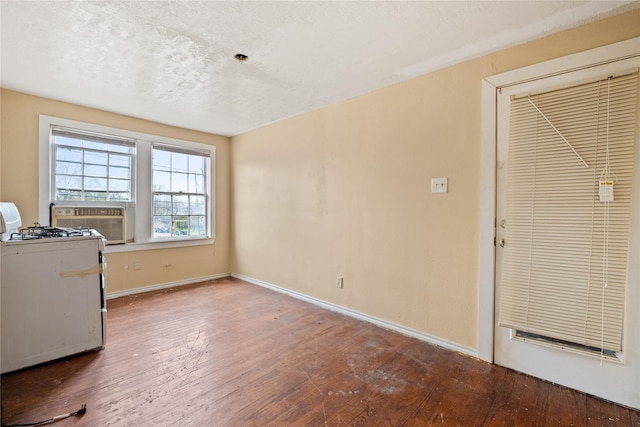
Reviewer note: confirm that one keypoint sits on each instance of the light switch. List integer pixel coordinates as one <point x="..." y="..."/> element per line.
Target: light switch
<point x="438" y="185"/>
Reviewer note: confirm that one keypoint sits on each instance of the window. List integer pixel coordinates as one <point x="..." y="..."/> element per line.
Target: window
<point x="91" y="167"/>
<point x="179" y="191"/>
<point x="165" y="185"/>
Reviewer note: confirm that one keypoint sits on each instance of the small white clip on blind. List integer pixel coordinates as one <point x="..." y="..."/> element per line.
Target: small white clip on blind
<point x="606" y="191"/>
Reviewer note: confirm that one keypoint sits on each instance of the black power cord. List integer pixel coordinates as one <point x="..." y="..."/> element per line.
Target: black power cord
<point x="79" y="412"/>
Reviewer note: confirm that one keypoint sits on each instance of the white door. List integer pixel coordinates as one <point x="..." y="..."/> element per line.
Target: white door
<point x="612" y="378"/>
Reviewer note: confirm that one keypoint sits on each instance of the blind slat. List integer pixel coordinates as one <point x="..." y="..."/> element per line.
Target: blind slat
<point x="181" y="150"/>
<point x="91" y="136"/>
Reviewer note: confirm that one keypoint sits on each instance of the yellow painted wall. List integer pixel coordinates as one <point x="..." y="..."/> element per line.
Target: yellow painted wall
<point x="345" y="191"/>
<point x="19" y="184"/>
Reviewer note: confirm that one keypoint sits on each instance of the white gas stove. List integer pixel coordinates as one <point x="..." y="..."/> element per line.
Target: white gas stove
<point x="51" y="291"/>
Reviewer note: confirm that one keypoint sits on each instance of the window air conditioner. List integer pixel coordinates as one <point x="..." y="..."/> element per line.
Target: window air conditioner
<point x="108" y="221"/>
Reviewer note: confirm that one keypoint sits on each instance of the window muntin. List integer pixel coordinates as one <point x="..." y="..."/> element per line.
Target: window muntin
<point x="91" y="167"/>
<point x="180" y="192"/>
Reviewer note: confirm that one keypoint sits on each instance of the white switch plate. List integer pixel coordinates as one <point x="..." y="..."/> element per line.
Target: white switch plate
<point x="438" y="185"/>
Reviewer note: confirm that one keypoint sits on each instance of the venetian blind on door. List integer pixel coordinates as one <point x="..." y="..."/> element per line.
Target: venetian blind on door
<point x="566" y="250"/>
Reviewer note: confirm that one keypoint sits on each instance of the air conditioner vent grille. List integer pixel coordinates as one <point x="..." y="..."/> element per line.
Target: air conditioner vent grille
<point x="99" y="211"/>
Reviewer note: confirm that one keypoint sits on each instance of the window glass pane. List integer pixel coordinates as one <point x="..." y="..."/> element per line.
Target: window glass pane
<point x="162" y="226"/>
<point x="119" y="184"/>
<point x="96" y="145"/>
<point x="117" y="148"/>
<point x="119" y="172"/>
<point x="161" y="160"/>
<point x="180" y="226"/>
<point x="197" y="205"/>
<point x="196" y="183"/>
<point x="196" y="164"/>
<point x="179" y="182"/>
<point x="119" y="160"/>
<point x="68" y="168"/>
<point x="119" y="196"/>
<point x="95" y="170"/>
<point x="95" y="195"/>
<point x="93" y="183"/>
<point x="161" y="181"/>
<point x="181" y="205"/>
<point x="64" y="140"/>
<point x="69" y="181"/>
<point x="69" y="154"/>
<point x="95" y="157"/>
<point x="162" y="204"/>
<point x="179" y="162"/>
<point x="197" y="226"/>
<point x="62" y="194"/>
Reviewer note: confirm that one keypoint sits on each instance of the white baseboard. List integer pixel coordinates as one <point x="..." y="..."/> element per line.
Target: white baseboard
<point x="111" y="295"/>
<point x="364" y="317"/>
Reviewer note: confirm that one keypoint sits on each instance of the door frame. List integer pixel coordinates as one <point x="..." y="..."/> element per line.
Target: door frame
<point x="488" y="166"/>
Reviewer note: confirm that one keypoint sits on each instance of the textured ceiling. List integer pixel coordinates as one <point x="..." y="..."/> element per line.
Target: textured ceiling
<point x="173" y="61"/>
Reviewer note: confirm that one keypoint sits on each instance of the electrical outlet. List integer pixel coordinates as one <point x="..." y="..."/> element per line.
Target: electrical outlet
<point x="438" y="185"/>
<point x="136" y="265"/>
<point x="340" y="282"/>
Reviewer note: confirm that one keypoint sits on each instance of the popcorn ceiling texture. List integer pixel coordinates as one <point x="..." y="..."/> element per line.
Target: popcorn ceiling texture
<point x="172" y="61"/>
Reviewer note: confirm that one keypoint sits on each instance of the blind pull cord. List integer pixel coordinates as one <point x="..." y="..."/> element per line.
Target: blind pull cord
<point x="606" y="177"/>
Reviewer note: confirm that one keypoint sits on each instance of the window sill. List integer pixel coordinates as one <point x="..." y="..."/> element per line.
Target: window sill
<point x="146" y="246"/>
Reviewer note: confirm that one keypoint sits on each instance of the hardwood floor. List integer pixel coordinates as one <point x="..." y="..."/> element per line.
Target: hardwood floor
<point x="228" y="353"/>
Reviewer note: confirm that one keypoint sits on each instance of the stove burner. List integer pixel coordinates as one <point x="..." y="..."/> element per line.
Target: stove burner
<point x="41" y="232"/>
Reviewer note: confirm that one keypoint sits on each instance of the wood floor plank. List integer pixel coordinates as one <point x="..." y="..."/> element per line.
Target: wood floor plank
<point x="227" y="353"/>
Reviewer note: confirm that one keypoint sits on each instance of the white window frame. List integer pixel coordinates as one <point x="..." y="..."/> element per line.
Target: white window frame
<point x="139" y="211"/>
